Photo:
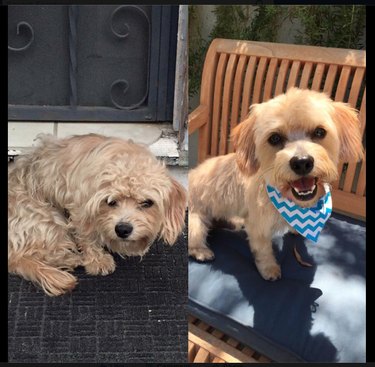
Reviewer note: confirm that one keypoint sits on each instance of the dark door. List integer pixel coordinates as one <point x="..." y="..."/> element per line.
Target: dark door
<point x="91" y="62"/>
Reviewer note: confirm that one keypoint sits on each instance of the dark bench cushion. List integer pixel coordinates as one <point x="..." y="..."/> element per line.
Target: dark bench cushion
<point x="314" y="314"/>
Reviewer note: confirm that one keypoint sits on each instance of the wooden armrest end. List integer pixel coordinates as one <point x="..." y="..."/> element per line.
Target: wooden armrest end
<point x="197" y="118"/>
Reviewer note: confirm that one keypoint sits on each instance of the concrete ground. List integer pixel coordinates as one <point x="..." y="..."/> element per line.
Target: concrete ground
<point x="180" y="174"/>
<point x="160" y="138"/>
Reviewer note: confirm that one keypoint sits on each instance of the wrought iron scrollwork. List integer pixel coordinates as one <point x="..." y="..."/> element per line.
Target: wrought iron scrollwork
<point x="123" y="33"/>
<point x="120" y="87"/>
<point x="126" y="31"/>
<point x="26" y="28"/>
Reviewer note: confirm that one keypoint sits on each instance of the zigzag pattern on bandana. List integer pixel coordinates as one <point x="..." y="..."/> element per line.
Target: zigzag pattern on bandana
<point x="309" y="222"/>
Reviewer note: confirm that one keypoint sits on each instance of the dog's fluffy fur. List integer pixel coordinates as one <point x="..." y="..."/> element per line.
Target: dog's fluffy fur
<point x="66" y="198"/>
<point x="234" y="184"/>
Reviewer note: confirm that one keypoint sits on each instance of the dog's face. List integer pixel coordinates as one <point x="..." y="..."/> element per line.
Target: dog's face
<point x="129" y="222"/>
<point x="296" y="140"/>
<point x="131" y="216"/>
<point x="134" y="201"/>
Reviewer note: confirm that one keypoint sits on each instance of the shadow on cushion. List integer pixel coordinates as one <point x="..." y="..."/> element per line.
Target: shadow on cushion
<point x="314" y="314"/>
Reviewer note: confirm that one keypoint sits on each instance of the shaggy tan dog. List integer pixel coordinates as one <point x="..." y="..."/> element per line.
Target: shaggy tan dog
<point x="72" y="198"/>
<point x="293" y="143"/>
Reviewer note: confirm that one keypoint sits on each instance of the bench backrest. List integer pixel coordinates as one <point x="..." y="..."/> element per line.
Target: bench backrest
<point x="237" y="74"/>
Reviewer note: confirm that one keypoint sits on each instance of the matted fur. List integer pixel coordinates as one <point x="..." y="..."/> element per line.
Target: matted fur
<point x="234" y="184"/>
<point x="58" y="211"/>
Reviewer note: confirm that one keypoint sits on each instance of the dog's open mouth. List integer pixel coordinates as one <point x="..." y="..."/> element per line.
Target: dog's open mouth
<point x="305" y="188"/>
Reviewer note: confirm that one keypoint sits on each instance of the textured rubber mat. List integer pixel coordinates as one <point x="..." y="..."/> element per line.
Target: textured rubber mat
<point x="136" y="314"/>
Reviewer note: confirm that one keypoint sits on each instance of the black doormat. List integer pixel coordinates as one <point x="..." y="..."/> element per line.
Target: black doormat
<point x="136" y="314"/>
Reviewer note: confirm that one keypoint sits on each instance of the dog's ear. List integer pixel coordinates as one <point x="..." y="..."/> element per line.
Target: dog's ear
<point x="174" y="219"/>
<point x="91" y="208"/>
<point x="244" y="144"/>
<point x="348" y="126"/>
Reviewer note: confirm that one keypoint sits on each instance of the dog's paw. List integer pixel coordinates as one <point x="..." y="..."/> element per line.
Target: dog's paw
<point x="202" y="253"/>
<point x="237" y="223"/>
<point x="103" y="266"/>
<point x="270" y="271"/>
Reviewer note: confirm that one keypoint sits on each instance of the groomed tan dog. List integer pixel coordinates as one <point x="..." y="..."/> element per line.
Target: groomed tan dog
<point x="72" y="198"/>
<point x="293" y="143"/>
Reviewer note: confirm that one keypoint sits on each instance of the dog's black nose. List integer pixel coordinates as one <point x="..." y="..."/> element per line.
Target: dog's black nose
<point x="123" y="230"/>
<point x="302" y="165"/>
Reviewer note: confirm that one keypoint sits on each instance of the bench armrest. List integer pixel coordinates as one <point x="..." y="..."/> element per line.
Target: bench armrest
<point x="197" y="118"/>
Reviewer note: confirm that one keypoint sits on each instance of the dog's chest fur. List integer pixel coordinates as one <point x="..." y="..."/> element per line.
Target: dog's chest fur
<point x="261" y="210"/>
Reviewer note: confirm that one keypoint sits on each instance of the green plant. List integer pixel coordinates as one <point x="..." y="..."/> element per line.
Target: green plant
<point x="320" y="25"/>
<point x="266" y="23"/>
<point x="197" y="51"/>
<point x="331" y="26"/>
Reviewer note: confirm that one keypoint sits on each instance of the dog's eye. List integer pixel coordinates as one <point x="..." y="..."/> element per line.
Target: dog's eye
<point x="319" y="133"/>
<point x="112" y="203"/>
<point x="275" y="139"/>
<point x="147" y="203"/>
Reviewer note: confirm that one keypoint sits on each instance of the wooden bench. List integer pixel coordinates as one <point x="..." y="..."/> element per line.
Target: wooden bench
<point x="237" y="74"/>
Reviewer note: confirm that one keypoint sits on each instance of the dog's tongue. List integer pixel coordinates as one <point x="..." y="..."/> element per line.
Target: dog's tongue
<point x="304" y="183"/>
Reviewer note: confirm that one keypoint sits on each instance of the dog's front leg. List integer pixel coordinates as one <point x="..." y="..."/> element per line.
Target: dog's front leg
<point x="96" y="261"/>
<point x="198" y="228"/>
<point x="261" y="247"/>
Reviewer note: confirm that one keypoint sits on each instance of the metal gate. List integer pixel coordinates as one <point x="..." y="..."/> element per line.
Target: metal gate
<point x="91" y="62"/>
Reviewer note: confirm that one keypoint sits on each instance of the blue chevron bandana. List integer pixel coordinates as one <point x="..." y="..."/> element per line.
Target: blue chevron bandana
<point x="309" y="222"/>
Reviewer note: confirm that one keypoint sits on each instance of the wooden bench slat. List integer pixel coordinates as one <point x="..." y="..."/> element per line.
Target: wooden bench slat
<point x="217" y="347"/>
<point x="292" y="80"/>
<point x="203" y="356"/>
<point x="349" y="203"/>
<point x="306" y="74"/>
<point x="356" y="86"/>
<point x="270" y="79"/>
<point x="233" y="343"/>
<point x="228" y="88"/>
<point x="248" y="86"/>
<point x="237" y="92"/>
<point x="218" y="360"/>
<point x="328" y="88"/>
<point x="340" y="94"/>
<point x="330" y="79"/>
<point x="191" y="350"/>
<point x="217" y="333"/>
<point x="206" y="92"/>
<point x="202" y="325"/>
<point x="362" y="113"/>
<point x="353" y="97"/>
<point x="261" y="71"/>
<point x="343" y="83"/>
<point x="237" y="89"/>
<point x="220" y="74"/>
<point x="361" y="185"/>
<point x="281" y="77"/>
<point x="349" y="176"/>
<point x="318" y="76"/>
<point x="248" y="351"/>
